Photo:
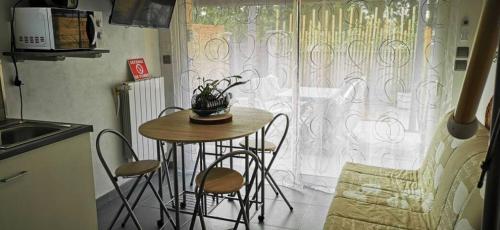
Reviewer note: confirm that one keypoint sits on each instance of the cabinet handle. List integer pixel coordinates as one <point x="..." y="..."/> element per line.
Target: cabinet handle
<point x="14" y="177"/>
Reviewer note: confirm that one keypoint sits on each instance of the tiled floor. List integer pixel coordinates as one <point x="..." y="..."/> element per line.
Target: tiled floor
<point x="310" y="208"/>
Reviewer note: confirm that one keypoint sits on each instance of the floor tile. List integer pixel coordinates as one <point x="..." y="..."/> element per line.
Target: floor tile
<point x="277" y="214"/>
<point x="310" y="208"/>
<point x="315" y="217"/>
<point x="304" y="196"/>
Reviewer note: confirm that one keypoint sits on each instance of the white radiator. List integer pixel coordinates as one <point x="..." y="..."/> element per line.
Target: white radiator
<point x="139" y="102"/>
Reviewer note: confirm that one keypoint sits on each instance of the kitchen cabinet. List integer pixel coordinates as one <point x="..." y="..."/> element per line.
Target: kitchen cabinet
<point x="50" y="187"/>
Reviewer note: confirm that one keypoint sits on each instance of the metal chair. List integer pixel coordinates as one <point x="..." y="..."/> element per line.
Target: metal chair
<point x="220" y="180"/>
<point x="166" y="158"/>
<point x="138" y="169"/>
<point x="270" y="147"/>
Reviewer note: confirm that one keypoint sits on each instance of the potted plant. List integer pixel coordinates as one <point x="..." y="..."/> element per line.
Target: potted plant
<point x="211" y="97"/>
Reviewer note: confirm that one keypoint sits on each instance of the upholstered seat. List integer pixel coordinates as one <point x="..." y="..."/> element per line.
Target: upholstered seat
<point x="441" y="194"/>
<point x="137" y="168"/>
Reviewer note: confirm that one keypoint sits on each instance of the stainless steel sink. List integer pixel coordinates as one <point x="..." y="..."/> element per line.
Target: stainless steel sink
<point x="19" y="133"/>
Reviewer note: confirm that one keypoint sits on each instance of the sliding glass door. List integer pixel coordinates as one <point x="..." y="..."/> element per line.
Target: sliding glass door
<point x="361" y="80"/>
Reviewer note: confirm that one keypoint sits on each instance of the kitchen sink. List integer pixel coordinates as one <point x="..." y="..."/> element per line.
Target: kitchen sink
<point x="23" y="132"/>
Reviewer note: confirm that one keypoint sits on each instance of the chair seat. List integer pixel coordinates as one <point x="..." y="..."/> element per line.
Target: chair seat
<point x="221" y="180"/>
<point x="137" y="168"/>
<point x="268" y="146"/>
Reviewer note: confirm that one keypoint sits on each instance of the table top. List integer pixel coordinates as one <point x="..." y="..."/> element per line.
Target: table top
<point x="176" y="127"/>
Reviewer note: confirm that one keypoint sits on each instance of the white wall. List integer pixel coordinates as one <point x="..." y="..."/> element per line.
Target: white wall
<point x="472" y="11"/>
<point x="487" y="94"/>
<point x="166" y="69"/>
<point x="79" y="90"/>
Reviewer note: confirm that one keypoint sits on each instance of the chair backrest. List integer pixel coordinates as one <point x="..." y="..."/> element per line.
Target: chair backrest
<point x="99" y="151"/>
<point x="225" y="156"/>
<point x="448" y="179"/>
<point x="285" y="132"/>
<point x="164" y="111"/>
<point x="161" y="114"/>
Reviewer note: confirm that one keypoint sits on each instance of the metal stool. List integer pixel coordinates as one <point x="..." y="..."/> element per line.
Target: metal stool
<point x="220" y="180"/>
<point x="137" y="168"/>
<point x="166" y="158"/>
<point x="270" y="147"/>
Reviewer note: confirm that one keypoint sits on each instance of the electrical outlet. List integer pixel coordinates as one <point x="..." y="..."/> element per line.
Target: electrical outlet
<point x="460" y="65"/>
<point x="462" y="52"/>
<point x="167" y="59"/>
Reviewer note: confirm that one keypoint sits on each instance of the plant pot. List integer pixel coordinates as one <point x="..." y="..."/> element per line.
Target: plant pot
<point x="208" y="105"/>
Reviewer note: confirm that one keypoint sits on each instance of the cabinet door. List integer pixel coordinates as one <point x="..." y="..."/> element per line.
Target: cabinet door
<point x="51" y="188"/>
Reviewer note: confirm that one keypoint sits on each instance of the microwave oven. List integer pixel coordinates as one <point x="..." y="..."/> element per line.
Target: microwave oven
<point x="38" y="28"/>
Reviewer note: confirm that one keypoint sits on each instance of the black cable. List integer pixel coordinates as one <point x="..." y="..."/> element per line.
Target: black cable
<point x="21" y="99"/>
<point x="489" y="155"/>
<point x="17" y="81"/>
<point x="495" y="127"/>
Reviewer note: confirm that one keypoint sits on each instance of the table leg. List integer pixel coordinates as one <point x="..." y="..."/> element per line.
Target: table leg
<point x="204" y="167"/>
<point x="217" y="154"/>
<point x="256" y="176"/>
<point x="220" y="153"/>
<point x="176" y="187"/>
<point x="231" y="150"/>
<point x="183" y="204"/>
<point x="216" y="151"/>
<point x="160" y="222"/>
<point x="263" y="171"/>
<point x="216" y="157"/>
<point x="248" y="186"/>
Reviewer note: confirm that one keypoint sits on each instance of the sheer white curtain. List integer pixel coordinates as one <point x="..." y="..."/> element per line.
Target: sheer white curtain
<point x="362" y="81"/>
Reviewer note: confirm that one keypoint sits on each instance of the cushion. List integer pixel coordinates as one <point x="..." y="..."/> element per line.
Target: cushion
<point x="376" y="214"/>
<point x="442" y="194"/>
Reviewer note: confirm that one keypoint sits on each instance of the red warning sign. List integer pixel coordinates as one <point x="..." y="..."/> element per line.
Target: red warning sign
<point x="138" y="68"/>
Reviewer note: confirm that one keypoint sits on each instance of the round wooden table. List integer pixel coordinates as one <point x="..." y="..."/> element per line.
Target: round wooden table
<point x="176" y="128"/>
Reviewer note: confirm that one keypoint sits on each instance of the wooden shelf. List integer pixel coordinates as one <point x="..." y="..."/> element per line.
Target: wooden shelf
<point x="22" y="55"/>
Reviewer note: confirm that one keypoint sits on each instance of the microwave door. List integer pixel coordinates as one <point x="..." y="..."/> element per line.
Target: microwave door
<point x="70" y="29"/>
<point x="91" y="30"/>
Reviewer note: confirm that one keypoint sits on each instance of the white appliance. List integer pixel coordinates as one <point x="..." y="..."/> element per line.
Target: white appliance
<point x="57" y="29"/>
